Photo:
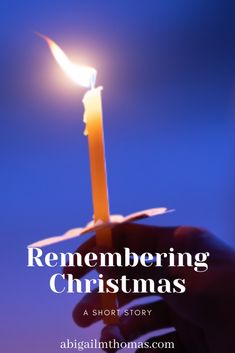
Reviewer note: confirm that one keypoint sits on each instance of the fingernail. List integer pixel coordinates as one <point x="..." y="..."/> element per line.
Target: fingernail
<point x="111" y="332"/>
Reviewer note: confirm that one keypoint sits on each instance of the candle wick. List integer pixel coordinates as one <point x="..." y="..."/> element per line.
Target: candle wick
<point x="93" y="79"/>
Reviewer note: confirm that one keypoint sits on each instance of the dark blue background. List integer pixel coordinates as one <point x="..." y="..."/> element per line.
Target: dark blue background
<point x="168" y="71"/>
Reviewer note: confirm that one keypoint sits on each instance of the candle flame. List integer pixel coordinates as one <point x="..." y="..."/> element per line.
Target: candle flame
<point x="84" y="76"/>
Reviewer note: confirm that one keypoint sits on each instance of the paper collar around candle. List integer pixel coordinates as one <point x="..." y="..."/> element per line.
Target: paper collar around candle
<point x="94" y="226"/>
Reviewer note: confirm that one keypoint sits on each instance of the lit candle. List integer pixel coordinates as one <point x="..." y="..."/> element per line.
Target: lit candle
<point x="85" y="76"/>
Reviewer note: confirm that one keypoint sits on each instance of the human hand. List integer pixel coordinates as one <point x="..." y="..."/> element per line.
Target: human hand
<point x="203" y="316"/>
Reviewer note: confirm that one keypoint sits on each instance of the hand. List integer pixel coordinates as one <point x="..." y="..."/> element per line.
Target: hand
<point x="203" y="316"/>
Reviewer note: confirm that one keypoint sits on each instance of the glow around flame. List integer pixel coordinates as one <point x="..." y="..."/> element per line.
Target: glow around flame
<point x="84" y="76"/>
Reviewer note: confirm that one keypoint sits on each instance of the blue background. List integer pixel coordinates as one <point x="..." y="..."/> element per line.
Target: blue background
<point x="168" y="71"/>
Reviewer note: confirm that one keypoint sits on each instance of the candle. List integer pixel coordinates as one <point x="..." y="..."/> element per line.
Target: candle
<point x="94" y="129"/>
<point x="85" y="76"/>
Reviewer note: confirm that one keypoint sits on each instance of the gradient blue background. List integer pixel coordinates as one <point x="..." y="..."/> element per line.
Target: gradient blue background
<point x="168" y="71"/>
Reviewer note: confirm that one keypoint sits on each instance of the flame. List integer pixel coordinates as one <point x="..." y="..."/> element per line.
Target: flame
<point x="84" y="76"/>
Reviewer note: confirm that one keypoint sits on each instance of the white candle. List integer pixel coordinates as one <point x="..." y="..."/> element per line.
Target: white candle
<point x="85" y="76"/>
<point x="94" y="129"/>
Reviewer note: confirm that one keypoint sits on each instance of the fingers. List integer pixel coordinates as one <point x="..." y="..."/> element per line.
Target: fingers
<point x="79" y="272"/>
<point x="91" y="305"/>
<point x="166" y="343"/>
<point x="139" y="238"/>
<point x="83" y="314"/>
<point x="153" y="316"/>
<point x="142" y="238"/>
